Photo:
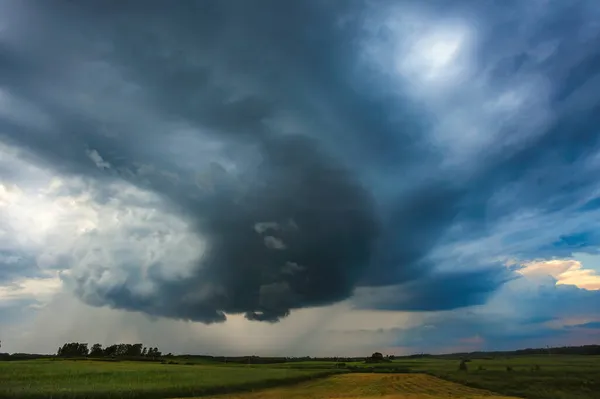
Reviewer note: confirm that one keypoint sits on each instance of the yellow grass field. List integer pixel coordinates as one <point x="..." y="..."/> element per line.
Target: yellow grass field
<point x="370" y="386"/>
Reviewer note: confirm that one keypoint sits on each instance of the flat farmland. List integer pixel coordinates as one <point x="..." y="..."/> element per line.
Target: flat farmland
<point x="370" y="386"/>
<point x="94" y="379"/>
<point x="529" y="377"/>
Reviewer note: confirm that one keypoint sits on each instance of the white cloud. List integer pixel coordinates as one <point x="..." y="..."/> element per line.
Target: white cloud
<point x="432" y="53"/>
<point x="9" y="193"/>
<point x="565" y="271"/>
<point x="97" y="159"/>
<point x="415" y="48"/>
<point x="38" y="289"/>
<point x="432" y="57"/>
<point x="61" y="223"/>
<point x="274" y="242"/>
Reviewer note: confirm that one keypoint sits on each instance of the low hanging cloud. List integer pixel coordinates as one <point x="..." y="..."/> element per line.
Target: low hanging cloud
<point x="325" y="225"/>
<point x="436" y="292"/>
<point x="399" y="154"/>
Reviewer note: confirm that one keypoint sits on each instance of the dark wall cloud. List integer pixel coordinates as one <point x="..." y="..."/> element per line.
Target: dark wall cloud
<point x="310" y="169"/>
<point x="299" y="235"/>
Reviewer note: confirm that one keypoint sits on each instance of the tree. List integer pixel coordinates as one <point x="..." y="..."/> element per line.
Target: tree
<point x="135" y="350"/>
<point x="111" y="351"/>
<point x="377" y="356"/>
<point x="76" y="349"/>
<point x="73" y="349"/>
<point x="153" y="352"/>
<point x="121" y="349"/>
<point x="96" y="350"/>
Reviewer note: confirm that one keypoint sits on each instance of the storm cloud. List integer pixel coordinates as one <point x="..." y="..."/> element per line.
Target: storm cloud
<point x="301" y="153"/>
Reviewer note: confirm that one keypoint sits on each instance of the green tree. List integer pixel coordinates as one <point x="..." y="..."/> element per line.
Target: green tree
<point x="134" y="350"/>
<point x="73" y="349"/>
<point x="96" y="350"/>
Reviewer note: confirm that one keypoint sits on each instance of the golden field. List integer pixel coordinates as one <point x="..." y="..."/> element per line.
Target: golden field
<point x="370" y="386"/>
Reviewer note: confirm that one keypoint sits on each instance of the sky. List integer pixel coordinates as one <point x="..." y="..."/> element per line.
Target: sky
<point x="300" y="178"/>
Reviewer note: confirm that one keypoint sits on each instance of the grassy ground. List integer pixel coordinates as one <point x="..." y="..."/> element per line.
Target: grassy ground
<point x="370" y="386"/>
<point x="557" y="377"/>
<point x="89" y="379"/>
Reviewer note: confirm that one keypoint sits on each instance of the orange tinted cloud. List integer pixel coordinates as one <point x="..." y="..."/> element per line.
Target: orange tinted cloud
<point x="565" y="271"/>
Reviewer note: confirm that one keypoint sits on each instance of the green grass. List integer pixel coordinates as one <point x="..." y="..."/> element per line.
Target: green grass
<point x="91" y="379"/>
<point x="559" y="377"/>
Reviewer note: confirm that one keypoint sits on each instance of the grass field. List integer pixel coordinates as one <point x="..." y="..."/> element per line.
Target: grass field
<point x="370" y="386"/>
<point x="90" y="379"/>
<point x="557" y="377"/>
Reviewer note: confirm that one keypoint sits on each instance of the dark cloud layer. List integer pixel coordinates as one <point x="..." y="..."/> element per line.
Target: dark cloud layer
<point x="332" y="187"/>
<point x="438" y="291"/>
<point x="299" y="236"/>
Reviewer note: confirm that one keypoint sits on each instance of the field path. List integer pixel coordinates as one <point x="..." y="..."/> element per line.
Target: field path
<point x="370" y="386"/>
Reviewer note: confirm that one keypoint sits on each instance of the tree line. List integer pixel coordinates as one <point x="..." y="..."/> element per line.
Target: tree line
<point x="138" y="351"/>
<point x="589" y="350"/>
<point x="78" y="349"/>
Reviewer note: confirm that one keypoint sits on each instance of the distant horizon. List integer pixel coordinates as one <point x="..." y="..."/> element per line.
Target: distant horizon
<point x="545" y="349"/>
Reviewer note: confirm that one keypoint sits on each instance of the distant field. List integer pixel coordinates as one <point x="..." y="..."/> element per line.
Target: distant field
<point x="558" y="377"/>
<point x="370" y="386"/>
<point x="92" y="379"/>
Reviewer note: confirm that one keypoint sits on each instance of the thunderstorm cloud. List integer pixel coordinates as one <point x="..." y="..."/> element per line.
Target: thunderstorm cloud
<point x="199" y="160"/>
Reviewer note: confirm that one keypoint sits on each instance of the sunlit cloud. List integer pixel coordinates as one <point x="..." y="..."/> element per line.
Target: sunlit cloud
<point x="565" y="271"/>
<point x="433" y="54"/>
<point x="39" y="289"/>
<point x="434" y="58"/>
<point x="418" y="49"/>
